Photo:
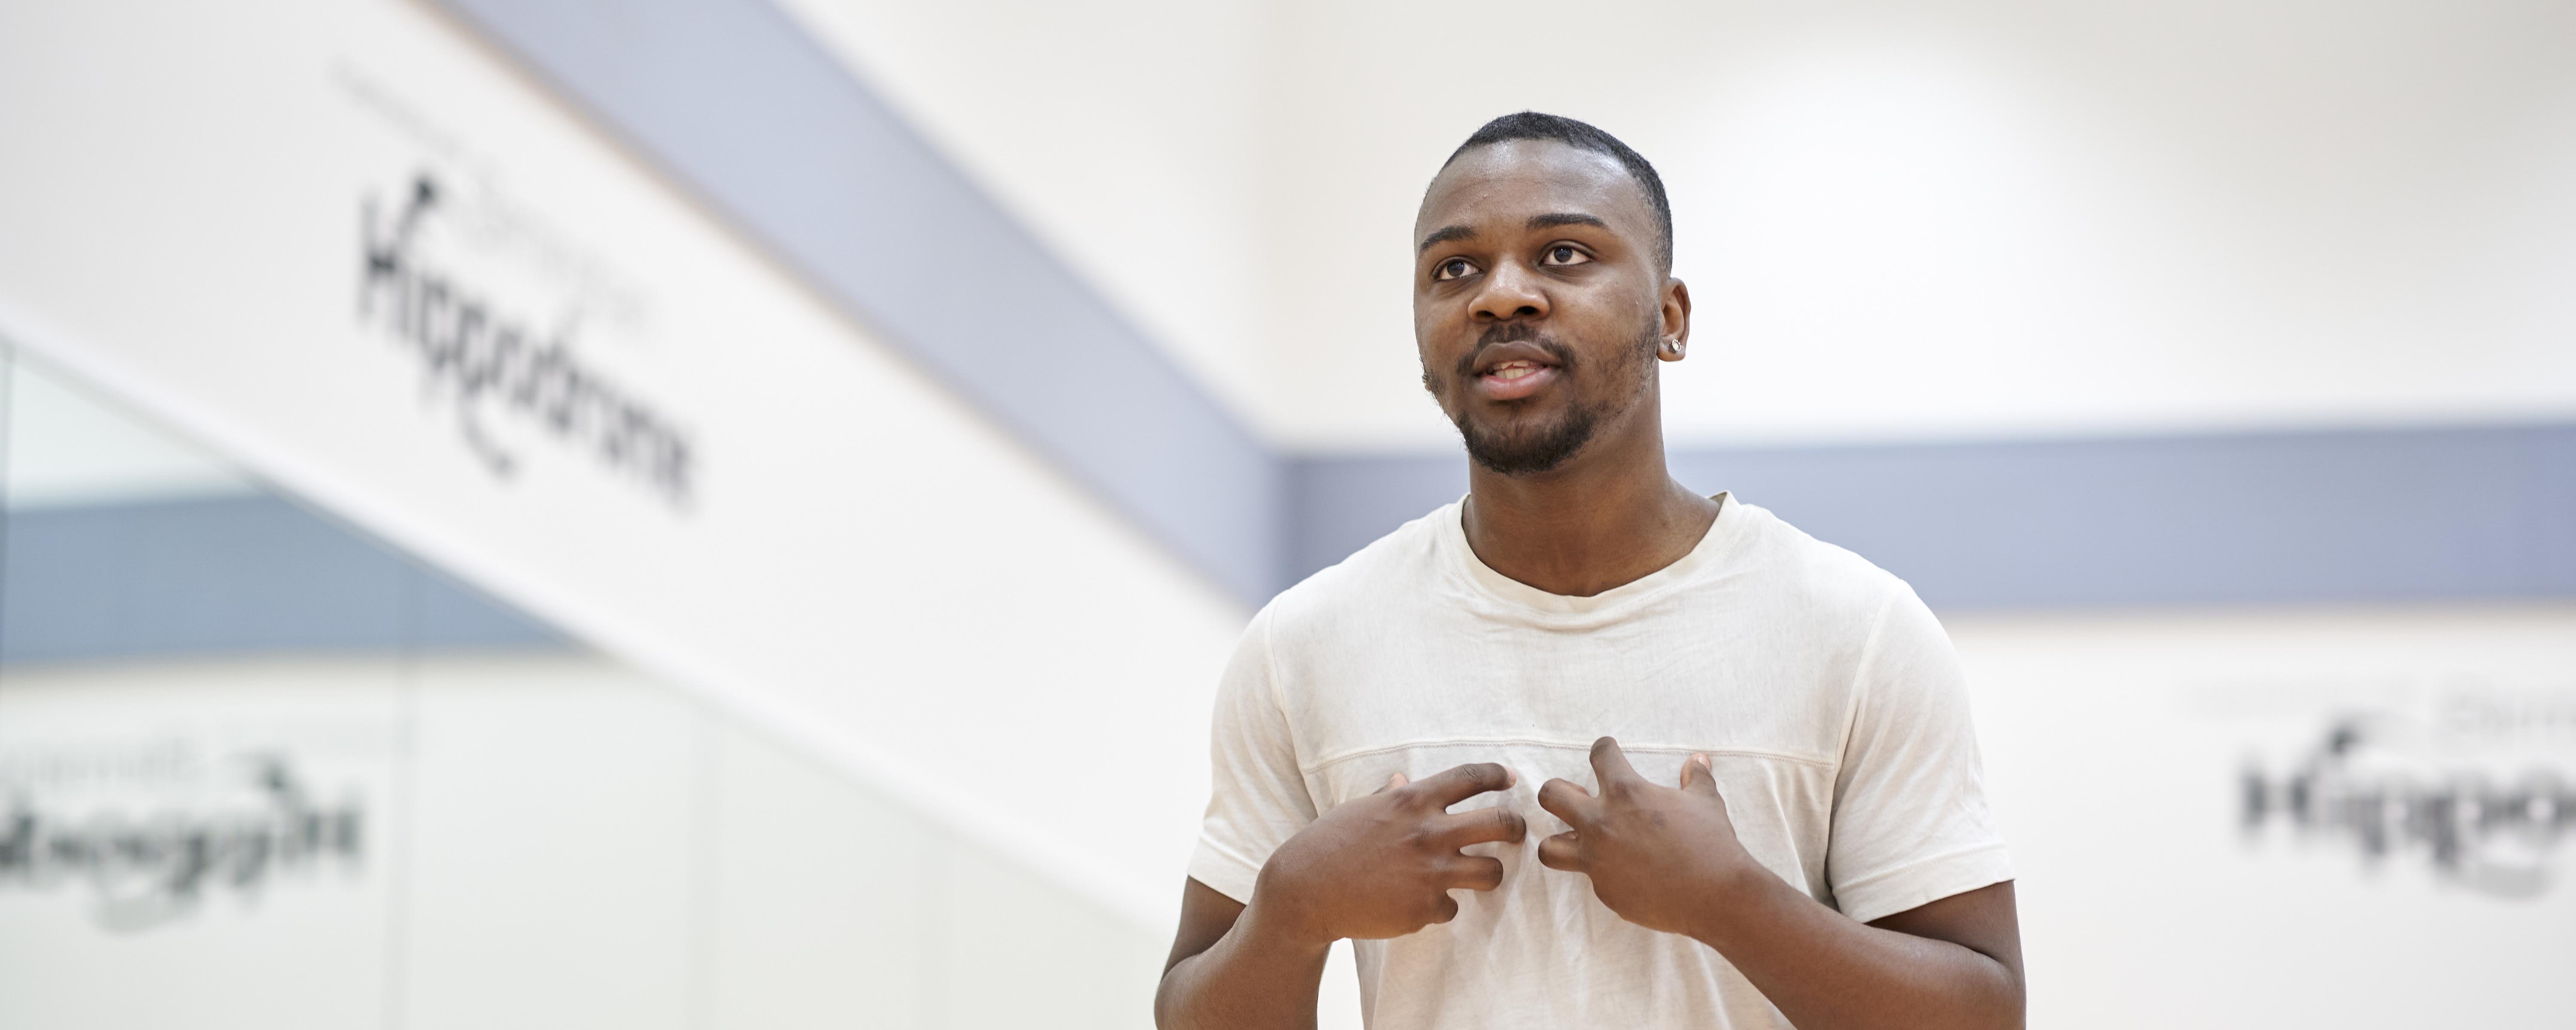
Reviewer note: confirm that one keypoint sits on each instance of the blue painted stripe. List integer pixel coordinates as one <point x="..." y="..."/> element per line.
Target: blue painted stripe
<point x="740" y="106"/>
<point x="2391" y="515"/>
<point x="734" y="101"/>
<point x="2268" y="518"/>
<point x="226" y="575"/>
<point x="2380" y="516"/>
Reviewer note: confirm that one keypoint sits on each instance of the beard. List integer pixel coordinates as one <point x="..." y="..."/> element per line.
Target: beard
<point x="1533" y="448"/>
<point x="1530" y="449"/>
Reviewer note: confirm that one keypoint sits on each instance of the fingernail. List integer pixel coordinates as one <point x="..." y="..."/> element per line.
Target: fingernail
<point x="1511" y="777"/>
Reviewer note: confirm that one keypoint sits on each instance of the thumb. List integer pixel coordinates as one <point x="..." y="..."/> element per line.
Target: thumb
<point x="1698" y="777"/>
<point x="1392" y="782"/>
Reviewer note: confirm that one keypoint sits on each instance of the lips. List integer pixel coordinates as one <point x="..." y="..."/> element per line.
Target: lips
<point x="1511" y="371"/>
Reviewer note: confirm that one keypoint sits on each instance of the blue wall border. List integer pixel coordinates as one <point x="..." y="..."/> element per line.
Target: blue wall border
<point x="735" y="102"/>
<point x="740" y="106"/>
<point x="2391" y="516"/>
<point x="2239" y="518"/>
<point x="240" y="573"/>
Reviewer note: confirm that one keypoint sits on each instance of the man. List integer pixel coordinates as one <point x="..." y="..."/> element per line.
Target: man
<point x="1705" y="770"/>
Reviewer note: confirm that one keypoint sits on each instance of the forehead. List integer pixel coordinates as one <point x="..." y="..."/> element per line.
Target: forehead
<point x="1509" y="182"/>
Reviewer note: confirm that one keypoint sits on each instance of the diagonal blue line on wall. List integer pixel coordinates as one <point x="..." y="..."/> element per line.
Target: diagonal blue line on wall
<point x="734" y="101"/>
<point x="221" y="575"/>
<point x="738" y="105"/>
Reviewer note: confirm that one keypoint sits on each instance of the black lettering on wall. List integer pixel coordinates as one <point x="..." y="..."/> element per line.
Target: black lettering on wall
<point x="484" y="360"/>
<point x="151" y="870"/>
<point x="2490" y="833"/>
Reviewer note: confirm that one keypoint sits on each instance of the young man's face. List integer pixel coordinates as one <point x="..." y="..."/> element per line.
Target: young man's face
<point x="1538" y="300"/>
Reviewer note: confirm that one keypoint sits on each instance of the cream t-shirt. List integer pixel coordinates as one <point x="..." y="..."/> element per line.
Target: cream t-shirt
<point x="1826" y="694"/>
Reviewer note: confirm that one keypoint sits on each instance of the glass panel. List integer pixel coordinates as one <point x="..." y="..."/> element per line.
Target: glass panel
<point x="277" y="773"/>
<point x="200" y="712"/>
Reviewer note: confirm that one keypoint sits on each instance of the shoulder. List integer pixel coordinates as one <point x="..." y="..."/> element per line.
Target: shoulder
<point x="1788" y="549"/>
<point x="1395" y="570"/>
<point x="1810" y="577"/>
<point x="1873" y="619"/>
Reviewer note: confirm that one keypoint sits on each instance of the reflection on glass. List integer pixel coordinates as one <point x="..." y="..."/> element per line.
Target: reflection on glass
<point x="272" y="772"/>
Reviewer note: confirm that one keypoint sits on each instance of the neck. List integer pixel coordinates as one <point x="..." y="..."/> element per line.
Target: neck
<point x="1607" y="517"/>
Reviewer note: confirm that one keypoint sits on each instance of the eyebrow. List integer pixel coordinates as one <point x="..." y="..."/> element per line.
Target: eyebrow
<point x="1552" y="221"/>
<point x="1454" y="232"/>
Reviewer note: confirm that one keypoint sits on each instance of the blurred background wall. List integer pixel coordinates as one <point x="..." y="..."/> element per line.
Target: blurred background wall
<point x="711" y="514"/>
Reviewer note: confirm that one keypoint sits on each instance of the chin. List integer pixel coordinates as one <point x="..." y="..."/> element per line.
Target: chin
<point x="1528" y="445"/>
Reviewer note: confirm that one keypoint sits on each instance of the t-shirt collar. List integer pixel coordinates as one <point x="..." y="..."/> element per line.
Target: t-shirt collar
<point x="1513" y="593"/>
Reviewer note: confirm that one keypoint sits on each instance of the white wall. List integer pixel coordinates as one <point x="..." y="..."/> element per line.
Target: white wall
<point x="2115" y="747"/>
<point x="1970" y="218"/>
<point x="1981" y="218"/>
<point x="556" y="839"/>
<point x="866" y="566"/>
<point x="549" y="841"/>
<point x="1124" y="134"/>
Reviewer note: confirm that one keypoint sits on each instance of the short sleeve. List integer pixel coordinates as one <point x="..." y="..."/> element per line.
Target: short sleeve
<point x="1911" y="824"/>
<point x="1258" y="798"/>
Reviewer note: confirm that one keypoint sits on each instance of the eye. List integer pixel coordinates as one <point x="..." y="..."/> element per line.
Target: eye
<point x="1564" y="254"/>
<point x="1454" y="268"/>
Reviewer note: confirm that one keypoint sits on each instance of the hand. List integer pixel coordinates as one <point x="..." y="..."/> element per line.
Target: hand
<point x="1383" y="865"/>
<point x="1657" y="856"/>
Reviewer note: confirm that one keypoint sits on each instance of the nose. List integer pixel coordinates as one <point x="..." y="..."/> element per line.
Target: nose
<point x="1509" y="292"/>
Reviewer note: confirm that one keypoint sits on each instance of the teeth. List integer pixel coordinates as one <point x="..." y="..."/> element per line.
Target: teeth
<point x="1510" y="370"/>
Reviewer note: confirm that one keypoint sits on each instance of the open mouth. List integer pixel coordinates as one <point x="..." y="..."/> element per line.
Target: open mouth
<point x="1511" y="371"/>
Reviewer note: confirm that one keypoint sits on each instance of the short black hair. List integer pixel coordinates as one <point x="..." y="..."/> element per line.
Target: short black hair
<point x="1583" y="136"/>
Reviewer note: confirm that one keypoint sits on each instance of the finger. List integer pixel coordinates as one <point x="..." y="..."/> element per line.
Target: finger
<point x="1565" y="800"/>
<point x="1392" y="782"/>
<point x="1708" y="775"/>
<point x="1563" y="851"/>
<point x="1476" y="873"/>
<point x="1698" y="776"/>
<point x="1482" y="825"/>
<point x="1445" y="910"/>
<point x="1610" y="765"/>
<point x="1466" y="781"/>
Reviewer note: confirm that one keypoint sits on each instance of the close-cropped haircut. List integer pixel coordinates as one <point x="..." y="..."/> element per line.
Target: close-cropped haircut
<point x="1583" y="136"/>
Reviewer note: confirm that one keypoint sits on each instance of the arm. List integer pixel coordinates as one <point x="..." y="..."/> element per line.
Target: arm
<point x="1379" y="866"/>
<point x="1668" y="859"/>
<point x="1224" y="972"/>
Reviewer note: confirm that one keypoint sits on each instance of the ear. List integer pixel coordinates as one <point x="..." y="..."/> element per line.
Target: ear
<point x="1676" y="312"/>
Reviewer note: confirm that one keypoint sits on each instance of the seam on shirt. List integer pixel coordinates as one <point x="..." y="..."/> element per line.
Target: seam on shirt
<point x="1906" y="887"/>
<point x="1227" y="853"/>
<point x="1279" y="708"/>
<point x="1270" y="667"/>
<point x="1944" y="858"/>
<point x="1585" y="745"/>
<point x="1859" y="689"/>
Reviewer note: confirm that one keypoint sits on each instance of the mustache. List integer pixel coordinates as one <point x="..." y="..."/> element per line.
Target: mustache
<point x="1515" y="332"/>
